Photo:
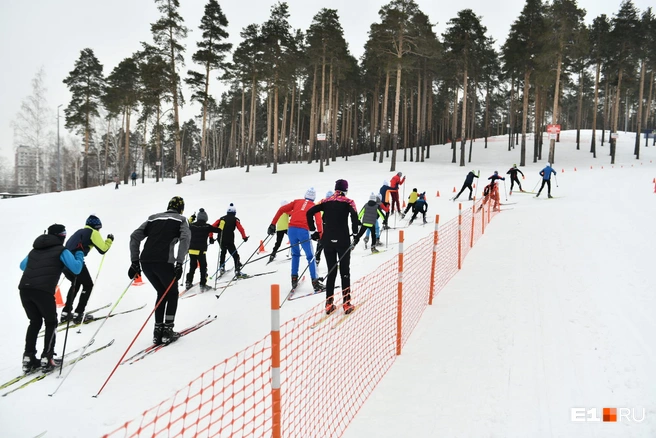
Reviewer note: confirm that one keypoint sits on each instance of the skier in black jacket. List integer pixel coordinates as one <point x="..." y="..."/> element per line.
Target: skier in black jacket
<point x="41" y="271"/>
<point x="228" y="224"/>
<point x="161" y="266"/>
<point x="200" y="230"/>
<point x="469" y="179"/>
<point x="336" y="240"/>
<point x="513" y="171"/>
<point x="89" y="237"/>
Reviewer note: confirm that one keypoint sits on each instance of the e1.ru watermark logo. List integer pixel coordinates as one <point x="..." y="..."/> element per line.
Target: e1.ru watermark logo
<point x="609" y="415"/>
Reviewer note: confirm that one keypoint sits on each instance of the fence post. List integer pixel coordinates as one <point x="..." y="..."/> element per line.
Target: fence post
<point x="489" y="211"/>
<point x="276" y="428"/>
<point x="434" y="261"/>
<point x="399" y="308"/>
<point x="471" y="240"/>
<point x="460" y="235"/>
<point x="482" y="219"/>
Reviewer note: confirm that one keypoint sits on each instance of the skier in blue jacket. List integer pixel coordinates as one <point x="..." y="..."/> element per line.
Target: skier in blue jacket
<point x="546" y="179"/>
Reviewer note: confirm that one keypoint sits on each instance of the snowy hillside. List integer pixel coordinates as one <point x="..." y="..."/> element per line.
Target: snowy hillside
<point x="553" y="308"/>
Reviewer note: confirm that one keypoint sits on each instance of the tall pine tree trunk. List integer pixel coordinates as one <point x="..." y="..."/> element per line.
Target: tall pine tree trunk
<point x="313" y="116"/>
<point x="595" y="110"/>
<point x="454" y="124"/>
<point x="639" y="115"/>
<point x="616" y="114"/>
<point x="554" y="116"/>
<point x="383" y="119"/>
<point x="527" y="89"/>
<point x="203" y="132"/>
<point x="579" y="112"/>
<point x="275" y="126"/>
<point x="463" y="128"/>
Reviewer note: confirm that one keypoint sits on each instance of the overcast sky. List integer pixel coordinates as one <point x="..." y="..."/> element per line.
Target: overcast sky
<point x="53" y="37"/>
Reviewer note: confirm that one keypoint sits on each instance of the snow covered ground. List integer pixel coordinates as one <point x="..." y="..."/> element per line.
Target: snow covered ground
<point x="553" y="310"/>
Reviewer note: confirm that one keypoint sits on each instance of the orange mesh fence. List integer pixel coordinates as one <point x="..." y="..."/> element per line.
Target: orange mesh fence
<point x="328" y="365"/>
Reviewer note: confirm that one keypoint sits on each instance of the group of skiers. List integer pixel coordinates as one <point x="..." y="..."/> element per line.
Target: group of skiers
<point x="42" y="269"/>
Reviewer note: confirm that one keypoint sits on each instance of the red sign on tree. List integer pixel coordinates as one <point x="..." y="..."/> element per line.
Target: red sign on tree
<point x="553" y="129"/>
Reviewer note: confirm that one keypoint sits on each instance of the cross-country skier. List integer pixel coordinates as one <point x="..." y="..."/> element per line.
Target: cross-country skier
<point x="200" y="230"/>
<point x="89" y="237"/>
<point x="546" y="179"/>
<point x="421" y="206"/>
<point x="41" y="271"/>
<point x="336" y="240"/>
<point x="513" y="171"/>
<point x="299" y="235"/>
<point x="228" y="224"/>
<point x="282" y="226"/>
<point x="469" y="179"/>
<point x="160" y="264"/>
<point x="319" y="250"/>
<point x="395" y="183"/>
<point x="368" y="217"/>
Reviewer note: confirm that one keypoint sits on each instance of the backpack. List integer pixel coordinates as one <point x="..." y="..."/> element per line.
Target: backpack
<point x="486" y="191"/>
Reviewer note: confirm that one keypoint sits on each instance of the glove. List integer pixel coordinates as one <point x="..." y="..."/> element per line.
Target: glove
<point x="503" y="179"/>
<point x="193" y="218"/>
<point x="271" y="230"/>
<point x="356" y="240"/>
<point x="211" y="240"/>
<point x="135" y="269"/>
<point x="110" y="237"/>
<point x="246" y="239"/>
<point x="315" y="236"/>
<point x="178" y="271"/>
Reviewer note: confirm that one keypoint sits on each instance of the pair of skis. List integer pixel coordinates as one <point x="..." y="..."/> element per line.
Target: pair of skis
<point x="155" y="348"/>
<point x="343" y="317"/>
<point x="62" y="327"/>
<point x="45" y="374"/>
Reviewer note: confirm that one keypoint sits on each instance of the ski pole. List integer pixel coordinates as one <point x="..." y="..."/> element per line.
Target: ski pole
<point x="61" y="365"/>
<point x="266" y="240"/>
<point x="281" y="249"/>
<point x="536" y="186"/>
<point x="505" y="191"/>
<point x="476" y="188"/>
<point x="93" y="338"/>
<point x="556" y="178"/>
<point x="293" y="289"/>
<point x="137" y="335"/>
<point x="79" y="330"/>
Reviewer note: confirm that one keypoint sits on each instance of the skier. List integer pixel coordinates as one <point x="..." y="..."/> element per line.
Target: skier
<point x="421" y="206"/>
<point x="89" y="237"/>
<point x="469" y="179"/>
<point x="282" y="225"/>
<point x="160" y="264"/>
<point x="317" y="253"/>
<point x="134" y="178"/>
<point x="200" y="229"/>
<point x="411" y="201"/>
<point x="546" y="179"/>
<point x="41" y="271"/>
<point x="336" y="240"/>
<point x="396" y="181"/>
<point x="384" y="189"/>
<point x="227" y="224"/>
<point x="495" y="176"/>
<point x="513" y="171"/>
<point x="368" y="217"/>
<point x="491" y="191"/>
<point x="299" y="235"/>
<point x="383" y="209"/>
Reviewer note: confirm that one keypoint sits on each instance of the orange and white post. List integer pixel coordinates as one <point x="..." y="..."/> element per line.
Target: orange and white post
<point x="399" y="309"/>
<point x="436" y="237"/>
<point x="471" y="239"/>
<point x="275" y="361"/>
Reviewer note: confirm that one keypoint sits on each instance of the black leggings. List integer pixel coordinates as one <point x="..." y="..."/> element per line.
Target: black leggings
<point x="194" y="261"/>
<point x="39" y="306"/>
<point x="465" y="186"/>
<point x="279" y="236"/>
<point x="162" y="277"/>
<point x="83" y="279"/>
<point x="332" y="255"/>
<point x="548" y="183"/>
<point x="513" y="181"/>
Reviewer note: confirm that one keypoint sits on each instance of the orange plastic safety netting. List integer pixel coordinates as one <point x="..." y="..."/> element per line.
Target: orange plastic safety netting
<point x="328" y="365"/>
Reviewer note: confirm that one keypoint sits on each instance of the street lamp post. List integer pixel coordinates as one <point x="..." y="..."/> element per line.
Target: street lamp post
<point x="59" y="185"/>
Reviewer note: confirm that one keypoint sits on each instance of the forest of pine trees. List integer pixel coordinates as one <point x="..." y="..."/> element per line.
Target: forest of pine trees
<point x="411" y="89"/>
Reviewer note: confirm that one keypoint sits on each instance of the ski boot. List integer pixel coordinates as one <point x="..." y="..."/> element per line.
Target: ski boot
<point x="49" y="363"/>
<point x="425" y="221"/>
<point x="549" y="196"/>
<point x="30" y="363"/>
<point x="168" y="335"/>
<point x="204" y="287"/>
<point x="330" y="307"/>
<point x="66" y="316"/>
<point x="318" y="285"/>
<point x="221" y="272"/>
<point x="157" y="333"/>
<point x="188" y="285"/>
<point x="348" y="308"/>
<point x="294" y="281"/>
<point x="79" y="316"/>
<point x="272" y="257"/>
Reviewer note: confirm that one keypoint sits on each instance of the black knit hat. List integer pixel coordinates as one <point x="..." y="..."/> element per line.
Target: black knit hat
<point x="57" y="230"/>
<point x="94" y="222"/>
<point x="176" y="203"/>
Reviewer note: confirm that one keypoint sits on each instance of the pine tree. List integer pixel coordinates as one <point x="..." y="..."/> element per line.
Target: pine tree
<point x="210" y="55"/>
<point x="85" y="82"/>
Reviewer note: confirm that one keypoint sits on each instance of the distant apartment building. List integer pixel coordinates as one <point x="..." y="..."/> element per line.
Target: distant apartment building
<point x="27" y="164"/>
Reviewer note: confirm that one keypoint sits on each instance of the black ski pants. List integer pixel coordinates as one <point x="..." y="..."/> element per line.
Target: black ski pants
<point x="229" y="247"/>
<point x="280" y="234"/>
<point x="372" y="229"/>
<point x="548" y="183"/>
<point x="196" y="260"/>
<point x="343" y="254"/>
<point x="162" y="277"/>
<point x="514" y="180"/>
<point x="39" y="306"/>
<point x="465" y="186"/>
<point x="83" y="280"/>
